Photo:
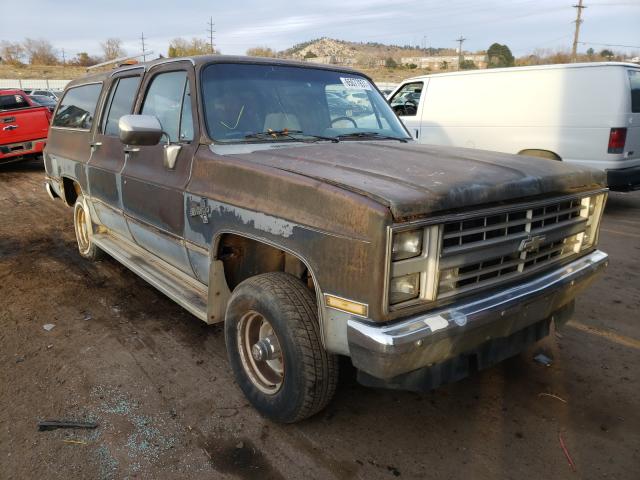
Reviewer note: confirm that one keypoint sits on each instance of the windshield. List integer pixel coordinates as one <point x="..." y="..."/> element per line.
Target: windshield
<point x="265" y="103"/>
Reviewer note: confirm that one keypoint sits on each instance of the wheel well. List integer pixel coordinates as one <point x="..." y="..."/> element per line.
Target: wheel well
<point x="71" y="190"/>
<point x="245" y="257"/>
<point x="536" y="152"/>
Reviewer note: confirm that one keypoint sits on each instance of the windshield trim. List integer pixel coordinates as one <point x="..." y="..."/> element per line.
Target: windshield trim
<point x="324" y="68"/>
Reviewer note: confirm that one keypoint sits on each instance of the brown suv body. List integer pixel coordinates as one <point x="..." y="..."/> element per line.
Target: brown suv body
<point x="215" y="214"/>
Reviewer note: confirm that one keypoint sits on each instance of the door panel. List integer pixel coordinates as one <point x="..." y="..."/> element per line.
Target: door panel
<point x="107" y="159"/>
<point x="153" y="193"/>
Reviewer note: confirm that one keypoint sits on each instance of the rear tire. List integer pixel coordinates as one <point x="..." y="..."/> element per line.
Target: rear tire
<point x="276" y="313"/>
<point x="83" y="226"/>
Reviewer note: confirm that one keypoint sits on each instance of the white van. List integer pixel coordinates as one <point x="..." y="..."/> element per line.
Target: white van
<point x="584" y="113"/>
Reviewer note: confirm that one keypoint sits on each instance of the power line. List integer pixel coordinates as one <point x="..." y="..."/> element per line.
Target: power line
<point x="211" y="32"/>
<point x="609" y="44"/>
<point x="574" y="50"/>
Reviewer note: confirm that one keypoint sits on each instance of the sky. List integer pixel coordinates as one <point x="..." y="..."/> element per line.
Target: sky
<point x="524" y="25"/>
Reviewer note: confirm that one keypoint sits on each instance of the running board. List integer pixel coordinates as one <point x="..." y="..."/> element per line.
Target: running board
<point x="175" y="284"/>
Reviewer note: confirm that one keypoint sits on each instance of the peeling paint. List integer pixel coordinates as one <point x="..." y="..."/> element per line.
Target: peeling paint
<point x="259" y="221"/>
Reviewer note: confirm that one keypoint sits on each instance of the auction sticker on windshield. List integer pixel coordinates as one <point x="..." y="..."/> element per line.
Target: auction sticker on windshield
<point x="355" y="83"/>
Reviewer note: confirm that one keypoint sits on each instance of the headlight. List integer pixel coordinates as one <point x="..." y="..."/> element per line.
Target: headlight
<point x="404" y="288"/>
<point x="592" y="208"/>
<point x="407" y="244"/>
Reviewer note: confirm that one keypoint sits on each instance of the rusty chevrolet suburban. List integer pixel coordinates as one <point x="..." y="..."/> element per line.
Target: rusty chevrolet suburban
<point x="251" y="193"/>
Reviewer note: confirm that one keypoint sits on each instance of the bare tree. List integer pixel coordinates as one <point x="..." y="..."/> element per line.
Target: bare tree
<point x="40" y="52"/>
<point x="180" y="47"/>
<point x="112" y="49"/>
<point x="11" y="53"/>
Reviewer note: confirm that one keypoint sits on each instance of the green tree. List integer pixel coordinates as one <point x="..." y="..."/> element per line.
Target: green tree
<point x="608" y="54"/>
<point x="444" y="65"/>
<point x="310" y="54"/>
<point x="468" y="65"/>
<point x="390" y="63"/>
<point x="500" y="56"/>
<point x="590" y="52"/>
<point x="412" y="66"/>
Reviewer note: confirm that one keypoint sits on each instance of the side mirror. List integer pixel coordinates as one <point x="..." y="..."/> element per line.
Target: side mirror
<point x="140" y="130"/>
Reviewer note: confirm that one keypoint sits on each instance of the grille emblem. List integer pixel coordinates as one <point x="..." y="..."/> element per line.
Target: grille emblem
<point x="531" y="243"/>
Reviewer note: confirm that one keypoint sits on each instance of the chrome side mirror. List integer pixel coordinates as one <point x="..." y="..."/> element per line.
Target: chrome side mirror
<point x="140" y="130"/>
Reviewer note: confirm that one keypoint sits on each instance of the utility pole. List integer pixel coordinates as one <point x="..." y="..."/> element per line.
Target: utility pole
<point x="211" y="32"/>
<point x="574" y="51"/>
<point x="63" y="59"/>
<point x="144" y="57"/>
<point x="460" y="56"/>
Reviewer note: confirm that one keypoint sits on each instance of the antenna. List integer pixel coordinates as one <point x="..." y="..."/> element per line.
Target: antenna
<point x="144" y="57"/>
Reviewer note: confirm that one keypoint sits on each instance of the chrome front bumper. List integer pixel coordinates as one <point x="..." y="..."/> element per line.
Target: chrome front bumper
<point x="420" y="341"/>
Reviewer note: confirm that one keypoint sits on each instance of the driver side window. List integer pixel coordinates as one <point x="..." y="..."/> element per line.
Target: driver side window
<point x="169" y="99"/>
<point x="406" y="100"/>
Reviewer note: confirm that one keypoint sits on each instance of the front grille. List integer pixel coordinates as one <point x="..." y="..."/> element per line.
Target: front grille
<point x="489" y="249"/>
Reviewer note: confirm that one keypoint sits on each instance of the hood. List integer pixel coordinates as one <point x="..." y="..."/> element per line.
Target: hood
<point x="414" y="180"/>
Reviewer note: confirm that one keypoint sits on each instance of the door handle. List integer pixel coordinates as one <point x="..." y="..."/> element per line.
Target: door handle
<point x="9" y="128"/>
<point x="131" y="150"/>
<point x="96" y="144"/>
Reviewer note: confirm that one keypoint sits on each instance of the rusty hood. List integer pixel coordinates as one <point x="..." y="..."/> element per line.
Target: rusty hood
<point x="414" y="180"/>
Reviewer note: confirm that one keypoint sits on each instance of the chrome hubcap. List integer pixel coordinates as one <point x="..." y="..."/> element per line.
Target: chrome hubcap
<point x="260" y="352"/>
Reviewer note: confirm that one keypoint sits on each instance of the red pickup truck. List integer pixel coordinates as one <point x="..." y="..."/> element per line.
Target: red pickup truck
<point x="23" y="126"/>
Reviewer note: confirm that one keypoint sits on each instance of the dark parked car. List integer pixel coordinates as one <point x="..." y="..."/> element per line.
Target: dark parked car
<point x="230" y="185"/>
<point x="45" y="101"/>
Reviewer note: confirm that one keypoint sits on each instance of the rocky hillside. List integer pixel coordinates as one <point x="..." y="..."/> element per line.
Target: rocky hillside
<point x="359" y="52"/>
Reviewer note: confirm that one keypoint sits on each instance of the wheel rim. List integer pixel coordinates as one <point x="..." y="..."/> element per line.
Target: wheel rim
<point x="82" y="229"/>
<point x="255" y="337"/>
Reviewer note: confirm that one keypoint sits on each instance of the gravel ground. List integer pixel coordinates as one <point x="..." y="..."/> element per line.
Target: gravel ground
<point x="156" y="380"/>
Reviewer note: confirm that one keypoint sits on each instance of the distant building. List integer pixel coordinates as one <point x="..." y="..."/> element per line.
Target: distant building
<point x="444" y="62"/>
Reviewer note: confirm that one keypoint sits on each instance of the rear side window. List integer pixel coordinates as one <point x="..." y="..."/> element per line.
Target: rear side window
<point x="166" y="98"/>
<point x="78" y="106"/>
<point x="12" y="102"/>
<point x="634" y="79"/>
<point x="121" y="99"/>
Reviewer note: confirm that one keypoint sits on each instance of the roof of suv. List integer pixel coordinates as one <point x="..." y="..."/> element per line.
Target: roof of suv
<point x="198" y="60"/>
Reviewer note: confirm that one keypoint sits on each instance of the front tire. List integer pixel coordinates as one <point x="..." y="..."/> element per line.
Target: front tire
<point x="84" y="231"/>
<point x="275" y="350"/>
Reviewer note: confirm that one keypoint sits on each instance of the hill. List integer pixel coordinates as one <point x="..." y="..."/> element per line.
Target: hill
<point x="357" y="53"/>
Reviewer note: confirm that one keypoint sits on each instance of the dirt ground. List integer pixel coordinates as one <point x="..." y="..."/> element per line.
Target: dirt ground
<point x="156" y="380"/>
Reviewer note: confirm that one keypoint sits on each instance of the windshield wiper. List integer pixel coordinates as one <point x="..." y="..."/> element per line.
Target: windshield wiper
<point x="376" y="135"/>
<point x="288" y="134"/>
